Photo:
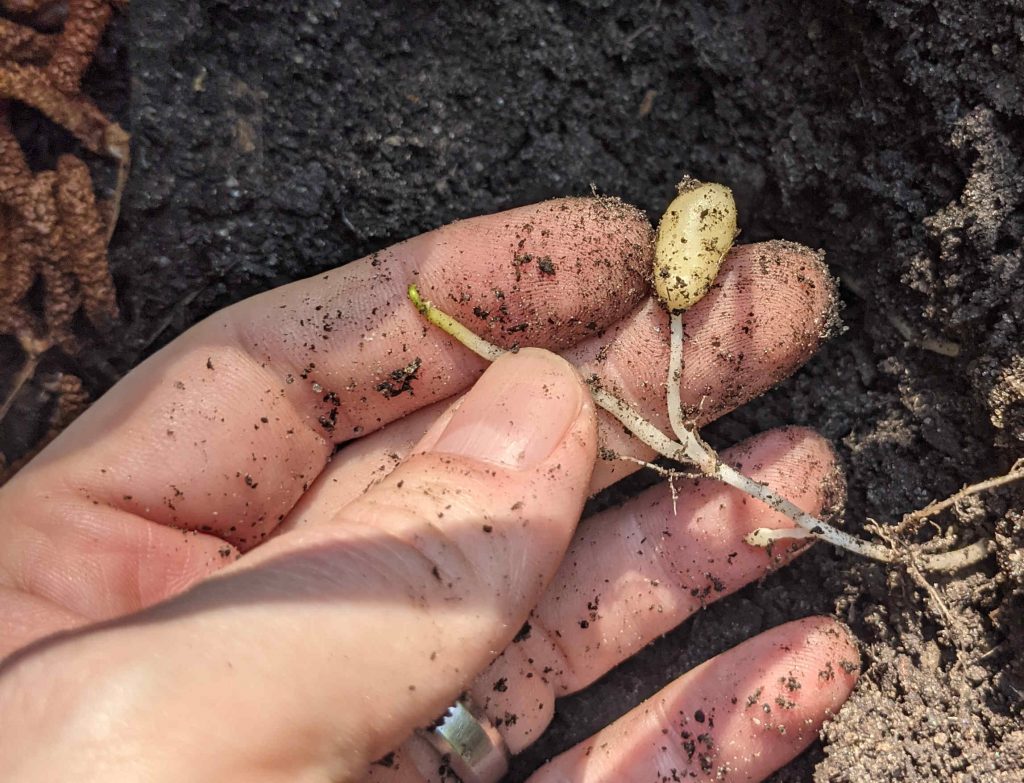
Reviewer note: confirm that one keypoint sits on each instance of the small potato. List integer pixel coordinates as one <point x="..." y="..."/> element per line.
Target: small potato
<point x="694" y="235"/>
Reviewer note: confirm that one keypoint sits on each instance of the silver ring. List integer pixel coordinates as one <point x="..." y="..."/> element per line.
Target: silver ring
<point x="469" y="744"/>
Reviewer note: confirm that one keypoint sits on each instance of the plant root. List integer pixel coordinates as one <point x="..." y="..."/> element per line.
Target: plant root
<point x="690" y="449"/>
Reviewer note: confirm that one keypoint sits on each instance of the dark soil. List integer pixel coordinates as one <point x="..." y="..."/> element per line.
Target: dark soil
<point x="276" y="139"/>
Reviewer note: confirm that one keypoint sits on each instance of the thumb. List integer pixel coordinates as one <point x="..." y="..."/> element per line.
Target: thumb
<point x="325" y="648"/>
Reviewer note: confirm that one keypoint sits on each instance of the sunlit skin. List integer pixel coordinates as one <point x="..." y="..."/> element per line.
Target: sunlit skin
<point x="246" y="604"/>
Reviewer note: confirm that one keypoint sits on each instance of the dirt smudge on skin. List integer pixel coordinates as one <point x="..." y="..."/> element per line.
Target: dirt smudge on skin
<point x="399" y="381"/>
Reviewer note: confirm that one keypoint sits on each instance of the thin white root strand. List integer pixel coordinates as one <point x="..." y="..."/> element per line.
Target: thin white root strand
<point x="691" y="449"/>
<point x="668" y="473"/>
<point x="675" y="377"/>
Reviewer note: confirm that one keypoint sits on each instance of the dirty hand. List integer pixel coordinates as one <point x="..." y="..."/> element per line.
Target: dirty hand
<point x="240" y="602"/>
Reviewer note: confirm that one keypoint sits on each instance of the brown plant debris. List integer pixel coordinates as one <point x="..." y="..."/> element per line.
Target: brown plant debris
<point x="53" y="232"/>
<point x="53" y="87"/>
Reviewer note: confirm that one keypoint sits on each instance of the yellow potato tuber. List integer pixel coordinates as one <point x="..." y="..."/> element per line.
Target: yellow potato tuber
<point x="694" y="235"/>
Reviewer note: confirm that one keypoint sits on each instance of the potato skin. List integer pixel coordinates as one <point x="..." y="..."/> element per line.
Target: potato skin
<point x="694" y="235"/>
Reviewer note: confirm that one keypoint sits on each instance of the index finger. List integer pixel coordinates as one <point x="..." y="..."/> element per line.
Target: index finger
<point x="224" y="429"/>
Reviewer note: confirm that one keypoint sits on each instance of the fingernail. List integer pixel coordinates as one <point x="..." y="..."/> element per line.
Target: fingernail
<point x="517" y="413"/>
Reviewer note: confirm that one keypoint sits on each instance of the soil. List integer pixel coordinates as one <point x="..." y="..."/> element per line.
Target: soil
<point x="275" y="140"/>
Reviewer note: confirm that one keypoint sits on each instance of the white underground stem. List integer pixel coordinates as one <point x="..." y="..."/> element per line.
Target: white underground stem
<point x="675" y="377"/>
<point x="688" y="451"/>
<point x="691" y="449"/>
<point x="808" y="522"/>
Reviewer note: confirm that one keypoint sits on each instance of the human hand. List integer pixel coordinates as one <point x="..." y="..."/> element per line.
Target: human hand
<point x="243" y="606"/>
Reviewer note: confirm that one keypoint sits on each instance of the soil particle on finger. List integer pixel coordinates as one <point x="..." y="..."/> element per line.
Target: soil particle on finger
<point x="399" y="381"/>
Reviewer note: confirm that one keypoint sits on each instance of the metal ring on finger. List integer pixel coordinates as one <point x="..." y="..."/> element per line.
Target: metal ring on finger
<point x="469" y="744"/>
